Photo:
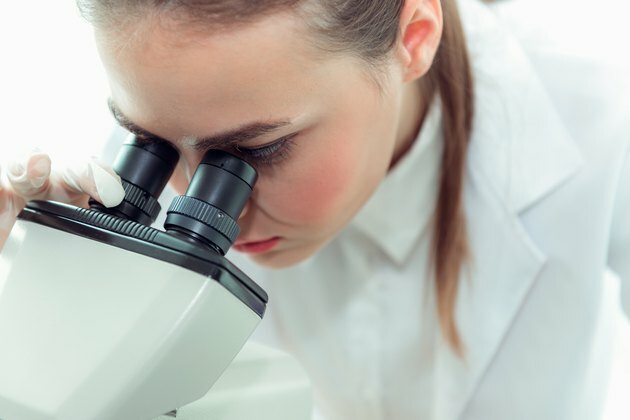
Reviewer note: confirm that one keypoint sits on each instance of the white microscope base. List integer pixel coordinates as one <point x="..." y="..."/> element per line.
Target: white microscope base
<point x="261" y="383"/>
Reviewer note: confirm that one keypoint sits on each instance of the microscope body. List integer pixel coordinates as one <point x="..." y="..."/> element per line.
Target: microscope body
<point x="103" y="317"/>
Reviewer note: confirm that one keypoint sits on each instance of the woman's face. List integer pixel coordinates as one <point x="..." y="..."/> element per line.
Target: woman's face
<point x="336" y="133"/>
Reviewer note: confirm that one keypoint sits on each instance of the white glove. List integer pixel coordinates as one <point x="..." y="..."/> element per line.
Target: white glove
<point x="32" y="179"/>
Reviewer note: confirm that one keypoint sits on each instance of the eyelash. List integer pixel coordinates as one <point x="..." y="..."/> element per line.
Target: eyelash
<point x="269" y="154"/>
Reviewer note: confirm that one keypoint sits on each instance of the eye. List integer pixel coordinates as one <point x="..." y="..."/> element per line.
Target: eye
<point x="268" y="154"/>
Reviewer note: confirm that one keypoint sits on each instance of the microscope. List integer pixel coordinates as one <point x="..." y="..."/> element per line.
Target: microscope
<point x="104" y="317"/>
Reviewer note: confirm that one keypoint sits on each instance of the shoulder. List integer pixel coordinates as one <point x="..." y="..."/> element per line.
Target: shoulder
<point x="576" y="50"/>
<point x="546" y="103"/>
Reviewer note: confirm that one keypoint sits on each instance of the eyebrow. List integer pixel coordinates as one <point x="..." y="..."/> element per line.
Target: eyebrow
<point x="240" y="134"/>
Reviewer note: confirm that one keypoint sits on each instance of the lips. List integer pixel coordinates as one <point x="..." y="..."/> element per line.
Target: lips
<point x="256" y="247"/>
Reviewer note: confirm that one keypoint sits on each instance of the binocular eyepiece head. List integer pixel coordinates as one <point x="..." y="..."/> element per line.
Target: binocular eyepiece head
<point x="209" y="209"/>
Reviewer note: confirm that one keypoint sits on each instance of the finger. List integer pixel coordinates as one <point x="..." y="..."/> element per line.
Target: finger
<point x="94" y="179"/>
<point x="9" y="209"/>
<point x="29" y="178"/>
<point x="10" y="206"/>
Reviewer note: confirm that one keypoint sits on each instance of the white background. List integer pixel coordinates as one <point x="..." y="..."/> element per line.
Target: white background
<point x="53" y="93"/>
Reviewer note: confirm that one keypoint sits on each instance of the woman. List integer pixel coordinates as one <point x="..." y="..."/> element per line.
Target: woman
<point x="435" y="242"/>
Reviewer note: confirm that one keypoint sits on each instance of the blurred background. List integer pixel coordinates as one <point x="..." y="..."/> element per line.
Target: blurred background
<point x="53" y="90"/>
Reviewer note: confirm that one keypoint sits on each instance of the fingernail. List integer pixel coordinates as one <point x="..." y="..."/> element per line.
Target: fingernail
<point x="39" y="181"/>
<point x="41" y="168"/>
<point x="17" y="170"/>
<point x="108" y="188"/>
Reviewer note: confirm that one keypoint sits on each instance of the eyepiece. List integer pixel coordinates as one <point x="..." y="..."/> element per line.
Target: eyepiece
<point x="144" y="168"/>
<point x="214" y="200"/>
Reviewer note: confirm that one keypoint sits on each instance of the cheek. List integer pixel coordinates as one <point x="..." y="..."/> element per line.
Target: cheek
<point x="319" y="192"/>
<point x="323" y="186"/>
<point x="333" y="172"/>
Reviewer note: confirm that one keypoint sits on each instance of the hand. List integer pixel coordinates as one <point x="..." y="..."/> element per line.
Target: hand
<point x="32" y="179"/>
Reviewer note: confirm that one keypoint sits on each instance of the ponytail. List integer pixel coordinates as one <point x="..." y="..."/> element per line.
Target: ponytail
<point x="451" y="77"/>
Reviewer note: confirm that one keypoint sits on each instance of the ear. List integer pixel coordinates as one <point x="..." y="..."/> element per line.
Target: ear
<point x="420" y="34"/>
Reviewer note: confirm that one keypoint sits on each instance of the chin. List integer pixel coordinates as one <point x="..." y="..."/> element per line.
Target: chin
<point x="284" y="258"/>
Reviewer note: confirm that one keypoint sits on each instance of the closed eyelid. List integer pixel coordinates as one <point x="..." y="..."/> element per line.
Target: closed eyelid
<point x="270" y="153"/>
<point x="268" y="145"/>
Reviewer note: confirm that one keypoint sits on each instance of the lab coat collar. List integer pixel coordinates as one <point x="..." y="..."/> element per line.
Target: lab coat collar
<point x="523" y="151"/>
<point x="518" y="142"/>
<point x="401" y="208"/>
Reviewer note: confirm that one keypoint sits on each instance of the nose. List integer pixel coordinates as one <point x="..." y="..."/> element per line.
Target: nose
<point x="245" y="210"/>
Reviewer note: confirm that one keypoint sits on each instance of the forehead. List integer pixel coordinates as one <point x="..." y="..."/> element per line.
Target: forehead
<point x="163" y="74"/>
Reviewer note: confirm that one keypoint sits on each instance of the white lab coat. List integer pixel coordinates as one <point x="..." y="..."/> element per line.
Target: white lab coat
<point x="547" y="200"/>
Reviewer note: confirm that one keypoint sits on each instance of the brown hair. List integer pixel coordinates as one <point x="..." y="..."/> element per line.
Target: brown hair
<point x="452" y="76"/>
<point x="368" y="29"/>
